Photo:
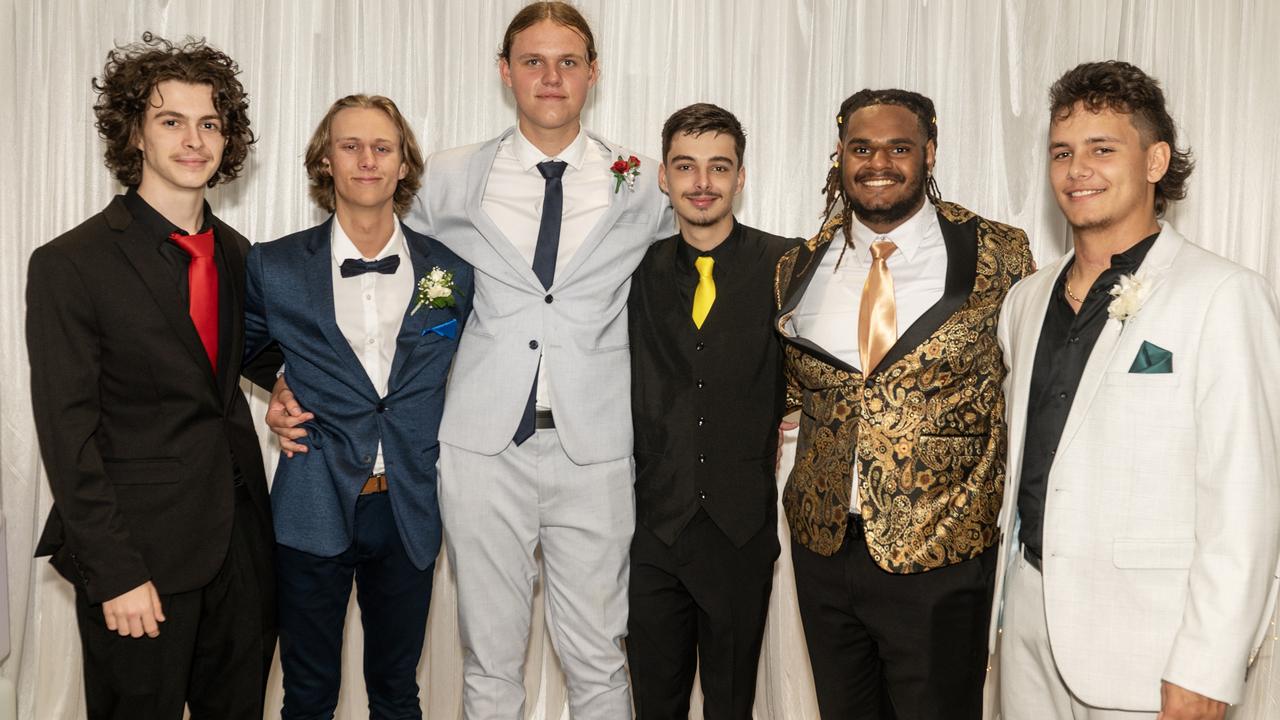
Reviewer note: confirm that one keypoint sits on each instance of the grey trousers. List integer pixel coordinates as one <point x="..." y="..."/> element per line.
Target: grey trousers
<point x="497" y="510"/>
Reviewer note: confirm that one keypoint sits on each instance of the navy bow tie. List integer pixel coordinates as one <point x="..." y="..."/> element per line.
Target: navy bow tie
<point x="352" y="267"/>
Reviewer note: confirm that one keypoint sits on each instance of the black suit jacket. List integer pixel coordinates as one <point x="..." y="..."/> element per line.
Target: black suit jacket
<point x="140" y="439"/>
<point x="706" y="402"/>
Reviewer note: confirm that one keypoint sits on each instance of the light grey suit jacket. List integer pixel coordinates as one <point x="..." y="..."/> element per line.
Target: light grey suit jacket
<point x="1162" y="513"/>
<point x="577" y="328"/>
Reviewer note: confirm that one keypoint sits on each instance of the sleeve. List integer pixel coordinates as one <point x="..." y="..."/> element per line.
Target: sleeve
<point x="64" y="347"/>
<point x="262" y="355"/>
<point x="1237" y="486"/>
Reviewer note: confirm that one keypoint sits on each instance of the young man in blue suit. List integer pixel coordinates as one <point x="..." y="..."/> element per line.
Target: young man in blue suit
<point x="367" y="313"/>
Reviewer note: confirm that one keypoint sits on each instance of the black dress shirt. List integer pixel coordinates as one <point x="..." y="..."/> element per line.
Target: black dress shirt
<point x="159" y="227"/>
<point x="1066" y="341"/>
<point x="706" y="402"/>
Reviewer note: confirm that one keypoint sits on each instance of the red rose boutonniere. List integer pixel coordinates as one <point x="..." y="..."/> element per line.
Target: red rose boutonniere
<point x="625" y="170"/>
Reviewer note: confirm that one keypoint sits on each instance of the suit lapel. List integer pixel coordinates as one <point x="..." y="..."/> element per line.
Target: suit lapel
<point x="1024" y="338"/>
<point x="143" y="253"/>
<point x="235" y="262"/>
<point x="319" y="273"/>
<point x="410" y="336"/>
<point x="618" y="202"/>
<point x="478" y="169"/>
<point x="801" y="276"/>
<point x="1155" y="267"/>
<point x="962" y="269"/>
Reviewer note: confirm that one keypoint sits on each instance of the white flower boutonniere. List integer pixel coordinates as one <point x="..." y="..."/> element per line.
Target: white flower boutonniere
<point x="436" y="289"/>
<point x="1129" y="293"/>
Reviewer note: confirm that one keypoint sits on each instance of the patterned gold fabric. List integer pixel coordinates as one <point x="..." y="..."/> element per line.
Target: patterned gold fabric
<point x="928" y="433"/>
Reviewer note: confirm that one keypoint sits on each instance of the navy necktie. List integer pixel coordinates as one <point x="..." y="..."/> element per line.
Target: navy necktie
<point x="544" y="255"/>
<point x="352" y="267"/>
<point x="544" y="266"/>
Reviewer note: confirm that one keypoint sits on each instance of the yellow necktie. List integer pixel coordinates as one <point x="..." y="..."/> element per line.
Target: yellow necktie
<point x="705" y="296"/>
<point x="878" y="316"/>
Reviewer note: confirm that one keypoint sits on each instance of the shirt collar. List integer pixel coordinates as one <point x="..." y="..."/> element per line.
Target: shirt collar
<point x="723" y="254"/>
<point x="344" y="249"/>
<point x="528" y="155"/>
<point x="157" y="225"/>
<point x="916" y="232"/>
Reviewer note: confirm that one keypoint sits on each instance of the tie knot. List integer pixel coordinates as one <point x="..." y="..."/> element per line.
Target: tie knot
<point x="552" y="168"/>
<point x="197" y="246"/>
<point x="882" y="249"/>
<point x="704" y="265"/>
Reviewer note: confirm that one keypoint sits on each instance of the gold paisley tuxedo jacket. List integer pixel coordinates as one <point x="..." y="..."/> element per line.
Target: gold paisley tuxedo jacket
<point x="925" y="426"/>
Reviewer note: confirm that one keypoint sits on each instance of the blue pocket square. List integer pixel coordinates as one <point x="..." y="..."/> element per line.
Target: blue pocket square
<point x="447" y="329"/>
<point x="1152" y="359"/>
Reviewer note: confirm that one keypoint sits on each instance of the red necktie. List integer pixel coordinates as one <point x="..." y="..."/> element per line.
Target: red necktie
<point x="202" y="280"/>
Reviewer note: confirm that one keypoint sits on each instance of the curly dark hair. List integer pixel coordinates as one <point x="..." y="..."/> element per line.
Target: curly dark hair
<point x="124" y="91"/>
<point x="702" y="118"/>
<point x="320" y="145"/>
<point x="918" y="105"/>
<point x="1123" y="88"/>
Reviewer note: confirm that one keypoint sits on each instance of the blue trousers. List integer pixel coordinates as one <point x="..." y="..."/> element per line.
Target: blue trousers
<point x="312" y="596"/>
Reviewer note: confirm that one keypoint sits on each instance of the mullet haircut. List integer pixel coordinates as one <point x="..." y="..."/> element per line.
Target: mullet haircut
<point x="560" y="13"/>
<point x="1123" y="88"/>
<point x="320" y="145"/>
<point x="124" y="93"/>
<point x="702" y="118"/>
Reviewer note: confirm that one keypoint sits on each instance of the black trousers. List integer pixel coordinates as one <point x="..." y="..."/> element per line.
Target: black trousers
<point x="214" y="649"/>
<point x="699" y="599"/>
<point x="394" y="597"/>
<point x="885" y="646"/>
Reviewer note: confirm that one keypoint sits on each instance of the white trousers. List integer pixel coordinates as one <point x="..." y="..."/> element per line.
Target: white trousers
<point x="1030" y="686"/>
<point x="497" y="510"/>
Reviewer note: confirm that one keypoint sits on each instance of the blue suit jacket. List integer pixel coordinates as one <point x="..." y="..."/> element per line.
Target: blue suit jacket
<point x="289" y="301"/>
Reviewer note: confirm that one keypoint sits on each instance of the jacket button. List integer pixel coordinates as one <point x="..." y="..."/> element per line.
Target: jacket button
<point x="701" y="421"/>
<point x="699" y="384"/>
<point x="699" y="346"/>
<point x="381" y="407"/>
<point x="548" y="299"/>
<point x="533" y="344"/>
<point x="702" y="458"/>
<point x="367" y="458"/>
<point x="702" y="495"/>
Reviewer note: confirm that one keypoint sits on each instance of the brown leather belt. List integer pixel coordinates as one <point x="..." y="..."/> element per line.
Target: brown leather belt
<point x="375" y="484"/>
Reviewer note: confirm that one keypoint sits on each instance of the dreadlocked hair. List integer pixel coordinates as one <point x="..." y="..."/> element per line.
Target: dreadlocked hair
<point x="918" y="105"/>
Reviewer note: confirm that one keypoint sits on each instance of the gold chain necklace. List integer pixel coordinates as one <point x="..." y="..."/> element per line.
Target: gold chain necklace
<point x="1067" y="283"/>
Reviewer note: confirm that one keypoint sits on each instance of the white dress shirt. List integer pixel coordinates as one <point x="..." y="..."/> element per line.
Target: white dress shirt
<point x="828" y="313"/>
<point x="370" y="308"/>
<point x="515" y="189"/>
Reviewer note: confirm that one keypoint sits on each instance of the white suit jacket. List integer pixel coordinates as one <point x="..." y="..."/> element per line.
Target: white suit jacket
<point x="1162" y="512"/>
<point x="577" y="328"/>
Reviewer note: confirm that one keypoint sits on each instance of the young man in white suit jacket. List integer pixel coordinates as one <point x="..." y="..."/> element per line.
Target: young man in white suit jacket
<point x="1141" y="515"/>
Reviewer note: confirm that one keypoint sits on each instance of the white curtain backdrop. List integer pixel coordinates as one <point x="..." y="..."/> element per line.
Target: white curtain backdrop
<point x="782" y="66"/>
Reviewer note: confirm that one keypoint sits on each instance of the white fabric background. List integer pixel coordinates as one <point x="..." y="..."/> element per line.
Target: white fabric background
<point x="782" y="66"/>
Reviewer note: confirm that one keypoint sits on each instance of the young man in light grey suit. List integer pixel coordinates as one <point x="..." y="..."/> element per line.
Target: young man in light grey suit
<point x="1143" y="419"/>
<point x="536" y="443"/>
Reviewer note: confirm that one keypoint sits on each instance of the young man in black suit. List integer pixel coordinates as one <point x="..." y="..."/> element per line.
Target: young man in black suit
<point x="134" y="331"/>
<point x="707" y="396"/>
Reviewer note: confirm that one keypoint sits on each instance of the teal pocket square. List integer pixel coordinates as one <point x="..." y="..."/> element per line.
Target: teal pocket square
<point x="1152" y="359"/>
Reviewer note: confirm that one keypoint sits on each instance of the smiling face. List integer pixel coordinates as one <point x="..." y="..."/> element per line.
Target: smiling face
<point x="701" y="174"/>
<point x="364" y="159"/>
<point x="885" y="159"/>
<point x="549" y="75"/>
<point x="180" y="138"/>
<point x="1103" y="174"/>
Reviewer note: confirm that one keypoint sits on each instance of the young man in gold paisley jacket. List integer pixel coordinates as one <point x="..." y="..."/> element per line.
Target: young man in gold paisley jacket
<point x="894" y="582"/>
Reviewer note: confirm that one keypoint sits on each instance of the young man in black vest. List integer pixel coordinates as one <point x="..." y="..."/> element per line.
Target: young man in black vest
<point x="707" y="396"/>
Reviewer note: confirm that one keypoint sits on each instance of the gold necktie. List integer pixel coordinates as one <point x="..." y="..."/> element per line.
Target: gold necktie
<point x="705" y="296"/>
<point x="877" y="317"/>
